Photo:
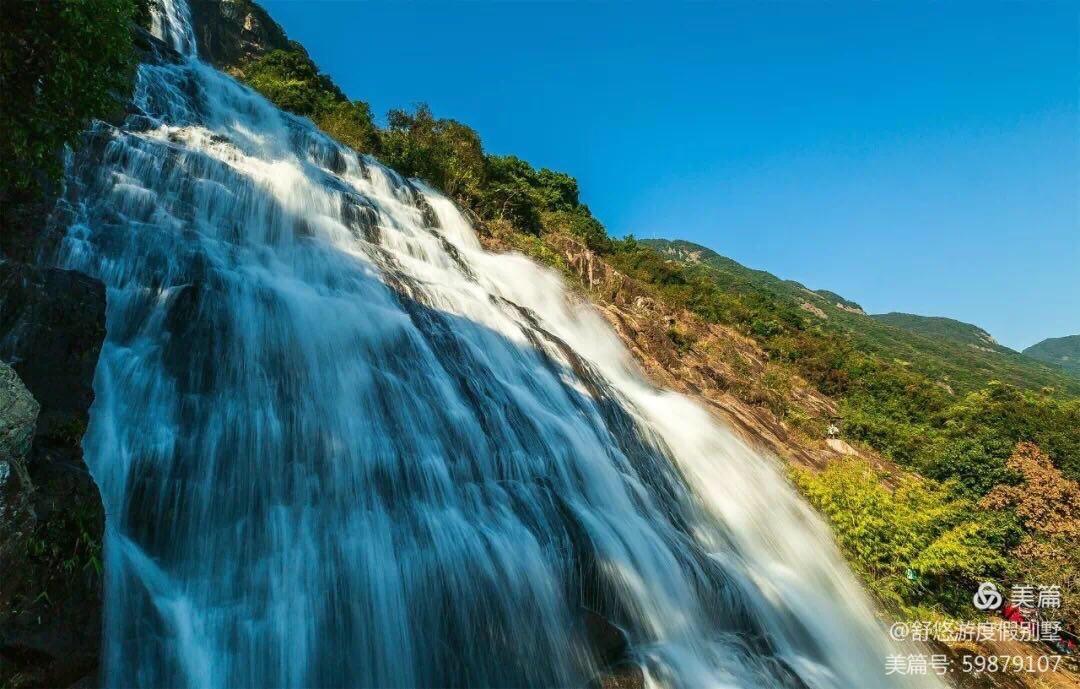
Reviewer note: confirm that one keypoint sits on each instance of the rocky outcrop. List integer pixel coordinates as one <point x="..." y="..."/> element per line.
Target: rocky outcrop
<point x="52" y="324"/>
<point x="679" y="351"/>
<point x="229" y="32"/>
<point x="18" y="417"/>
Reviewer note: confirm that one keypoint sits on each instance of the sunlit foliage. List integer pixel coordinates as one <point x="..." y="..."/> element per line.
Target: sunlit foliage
<point x="914" y="542"/>
<point x="290" y="80"/>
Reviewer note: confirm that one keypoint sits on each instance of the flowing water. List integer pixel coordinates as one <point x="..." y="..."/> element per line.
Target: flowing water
<point x="341" y="445"/>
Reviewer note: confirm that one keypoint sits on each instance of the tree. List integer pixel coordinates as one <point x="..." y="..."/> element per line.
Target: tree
<point x="912" y="540"/>
<point x="1047" y="503"/>
<point x="290" y="80"/>
<point x="444" y="152"/>
<point x="62" y="64"/>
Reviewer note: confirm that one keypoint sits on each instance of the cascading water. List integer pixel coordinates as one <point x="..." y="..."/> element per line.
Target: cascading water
<point x="341" y="445"/>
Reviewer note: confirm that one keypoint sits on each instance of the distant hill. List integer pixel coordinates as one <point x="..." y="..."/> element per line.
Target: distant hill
<point x="943" y="328"/>
<point x="1063" y="352"/>
<point x="959" y="355"/>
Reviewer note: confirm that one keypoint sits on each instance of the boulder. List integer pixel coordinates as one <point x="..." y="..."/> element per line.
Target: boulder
<point x="608" y="641"/>
<point x="52" y="324"/>
<point x="18" y="416"/>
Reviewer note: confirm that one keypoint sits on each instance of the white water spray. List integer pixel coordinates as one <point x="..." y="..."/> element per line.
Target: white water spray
<point x="341" y="445"/>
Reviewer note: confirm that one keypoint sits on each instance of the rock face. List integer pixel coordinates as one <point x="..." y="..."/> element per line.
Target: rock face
<point x="52" y="324"/>
<point x="678" y="351"/>
<point x="18" y="417"/>
<point x="230" y="31"/>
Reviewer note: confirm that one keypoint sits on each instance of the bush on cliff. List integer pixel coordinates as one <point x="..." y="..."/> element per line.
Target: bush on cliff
<point x="443" y="152"/>
<point x="914" y="542"/>
<point x="290" y="80"/>
<point x="62" y="63"/>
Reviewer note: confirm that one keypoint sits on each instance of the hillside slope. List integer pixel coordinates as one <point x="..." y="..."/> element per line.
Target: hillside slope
<point x="944" y="329"/>
<point x="1063" y="352"/>
<point x="958" y="355"/>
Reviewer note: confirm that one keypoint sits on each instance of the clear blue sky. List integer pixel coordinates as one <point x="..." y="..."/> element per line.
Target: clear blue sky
<point x="915" y="156"/>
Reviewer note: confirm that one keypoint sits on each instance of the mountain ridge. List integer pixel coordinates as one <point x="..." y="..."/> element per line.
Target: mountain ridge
<point x="959" y="355"/>
<point x="1063" y="352"/>
<point x="943" y="327"/>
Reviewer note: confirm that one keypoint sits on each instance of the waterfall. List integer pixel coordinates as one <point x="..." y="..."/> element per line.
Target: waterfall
<point x="339" y="444"/>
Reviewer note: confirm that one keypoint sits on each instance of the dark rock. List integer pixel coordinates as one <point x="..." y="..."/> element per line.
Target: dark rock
<point x="149" y="48"/>
<point x="229" y="32"/>
<point x="22" y="221"/>
<point x="52" y="324"/>
<point x="610" y="646"/>
<point x="609" y="642"/>
<point x="428" y="215"/>
<point x="18" y="417"/>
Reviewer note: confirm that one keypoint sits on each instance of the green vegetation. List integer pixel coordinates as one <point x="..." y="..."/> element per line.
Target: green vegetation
<point x="918" y="546"/>
<point x="946" y="351"/>
<point x="943" y="329"/>
<point x="444" y="152"/>
<point x="449" y="155"/>
<point x="290" y="80"/>
<point x="923" y="550"/>
<point x="62" y="63"/>
<point x="1063" y="352"/>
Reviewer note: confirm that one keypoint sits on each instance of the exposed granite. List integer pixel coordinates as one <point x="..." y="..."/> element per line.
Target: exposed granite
<point x="228" y="32"/>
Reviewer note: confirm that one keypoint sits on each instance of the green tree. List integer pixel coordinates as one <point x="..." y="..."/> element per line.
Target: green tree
<point x="62" y="63"/>
<point x="914" y="542"/>
<point x="443" y="152"/>
<point x="290" y="80"/>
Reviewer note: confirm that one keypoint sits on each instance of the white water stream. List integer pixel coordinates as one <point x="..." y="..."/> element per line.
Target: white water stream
<point x="341" y="445"/>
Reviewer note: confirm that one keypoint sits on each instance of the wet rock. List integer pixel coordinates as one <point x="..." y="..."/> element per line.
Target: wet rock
<point x="52" y="323"/>
<point x="608" y="641"/>
<point x="610" y="646"/>
<point x="428" y="215"/>
<point x="625" y="675"/>
<point x="18" y="416"/>
<point x="149" y="48"/>
<point x="21" y="220"/>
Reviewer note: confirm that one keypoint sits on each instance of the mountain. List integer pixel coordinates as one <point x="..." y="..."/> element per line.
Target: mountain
<point x="958" y="355"/>
<point x="943" y="328"/>
<point x="1063" y="352"/>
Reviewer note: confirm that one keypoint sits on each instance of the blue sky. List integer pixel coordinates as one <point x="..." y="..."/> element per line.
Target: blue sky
<point x="919" y="157"/>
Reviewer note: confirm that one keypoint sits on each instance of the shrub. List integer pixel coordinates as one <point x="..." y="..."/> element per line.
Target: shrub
<point x="1047" y="504"/>
<point x="290" y="80"/>
<point x="915" y="543"/>
<point x="62" y="64"/>
<point x="443" y="152"/>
